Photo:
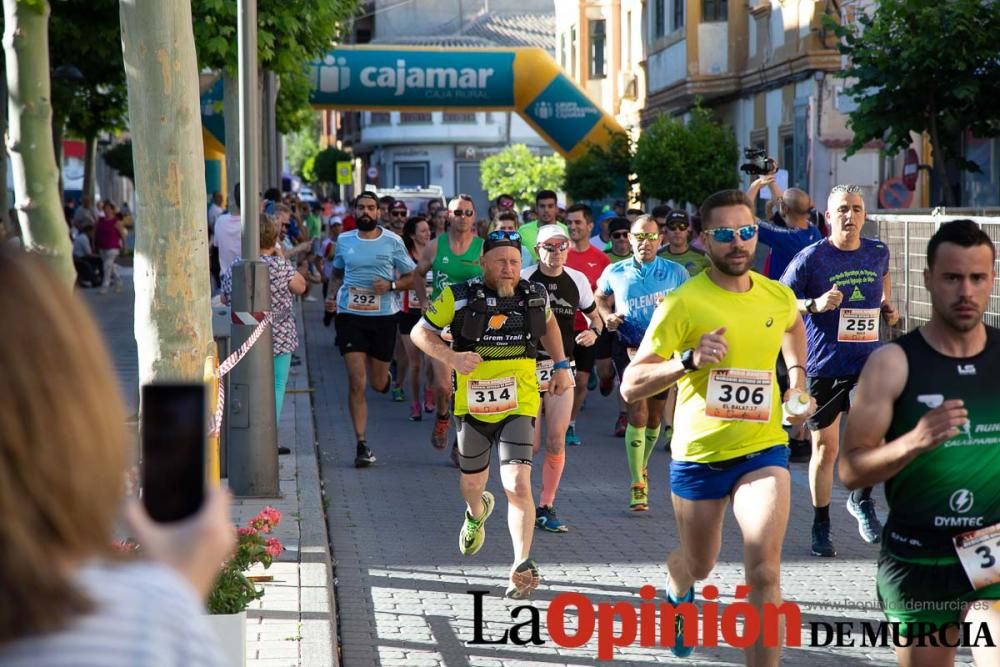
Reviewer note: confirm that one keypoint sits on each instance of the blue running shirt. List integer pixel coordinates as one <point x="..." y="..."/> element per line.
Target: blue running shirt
<point x="638" y="289"/>
<point x="364" y="260"/>
<point x="840" y="340"/>
<point x="785" y="242"/>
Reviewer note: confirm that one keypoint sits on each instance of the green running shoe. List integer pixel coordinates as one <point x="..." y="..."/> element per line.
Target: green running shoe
<point x="473" y="533"/>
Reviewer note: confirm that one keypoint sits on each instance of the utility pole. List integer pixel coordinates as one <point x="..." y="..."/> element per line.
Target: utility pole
<point x="252" y="451"/>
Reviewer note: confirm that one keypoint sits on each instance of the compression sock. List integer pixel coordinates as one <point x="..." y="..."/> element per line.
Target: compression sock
<point x="552" y="471"/>
<point x="635" y="449"/>
<point x="821" y="514"/>
<point x="652" y="435"/>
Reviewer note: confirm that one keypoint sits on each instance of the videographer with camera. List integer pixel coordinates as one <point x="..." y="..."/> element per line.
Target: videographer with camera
<point x="789" y="229"/>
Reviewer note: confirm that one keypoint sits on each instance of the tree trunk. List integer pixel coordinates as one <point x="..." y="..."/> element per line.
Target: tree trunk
<point x="90" y="168"/>
<point x="231" y="114"/>
<point x="270" y="160"/>
<point x="58" y="132"/>
<point x="29" y="138"/>
<point x="173" y="322"/>
<point x="5" y="221"/>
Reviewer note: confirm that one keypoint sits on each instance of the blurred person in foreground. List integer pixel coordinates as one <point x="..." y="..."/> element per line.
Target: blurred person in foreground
<point x="69" y="597"/>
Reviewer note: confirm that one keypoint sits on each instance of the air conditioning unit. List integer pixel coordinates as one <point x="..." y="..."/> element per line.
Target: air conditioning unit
<point x="628" y="84"/>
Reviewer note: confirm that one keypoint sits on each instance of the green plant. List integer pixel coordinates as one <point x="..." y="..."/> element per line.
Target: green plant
<point x="119" y="158"/>
<point x="685" y="163"/>
<point x="516" y="172"/>
<point x="601" y="172"/>
<point x="233" y="591"/>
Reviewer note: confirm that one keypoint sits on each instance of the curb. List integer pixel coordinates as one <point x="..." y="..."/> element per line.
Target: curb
<point x="318" y="605"/>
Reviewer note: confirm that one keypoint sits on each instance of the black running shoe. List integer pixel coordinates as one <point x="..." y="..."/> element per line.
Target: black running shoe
<point x="364" y="456"/>
<point x="821" y="544"/>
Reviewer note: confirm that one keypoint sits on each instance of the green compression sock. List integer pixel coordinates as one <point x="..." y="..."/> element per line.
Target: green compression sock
<point x="635" y="449"/>
<point x="652" y="435"/>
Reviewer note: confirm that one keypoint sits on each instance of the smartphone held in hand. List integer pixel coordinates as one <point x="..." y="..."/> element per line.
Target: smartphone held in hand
<point x="174" y="434"/>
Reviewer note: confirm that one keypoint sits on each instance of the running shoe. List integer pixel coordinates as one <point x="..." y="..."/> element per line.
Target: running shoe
<point x="621" y="425"/>
<point x="364" y="456"/>
<point x="821" y="544"/>
<point x="680" y="649"/>
<point x="640" y="501"/>
<point x="473" y="533"/>
<point x="416" y="414"/>
<point x="428" y="401"/>
<point x="546" y="519"/>
<point x="592" y="382"/>
<point x="868" y="524"/>
<point x="397" y="395"/>
<point x="523" y="580"/>
<point x="439" y="436"/>
<point x="572" y="439"/>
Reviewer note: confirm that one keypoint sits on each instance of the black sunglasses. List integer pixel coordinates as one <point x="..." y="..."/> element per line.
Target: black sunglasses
<point x="467" y="213"/>
<point x="619" y="235"/>
<point x="401" y="214"/>
<point x="678" y="226"/>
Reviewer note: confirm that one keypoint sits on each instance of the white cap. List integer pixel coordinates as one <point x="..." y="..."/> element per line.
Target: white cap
<point x="551" y="231"/>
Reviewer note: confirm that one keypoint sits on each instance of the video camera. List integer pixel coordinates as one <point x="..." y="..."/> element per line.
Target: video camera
<point x="757" y="162"/>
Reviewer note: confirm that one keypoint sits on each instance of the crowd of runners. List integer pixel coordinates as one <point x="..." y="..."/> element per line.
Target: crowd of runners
<point x="503" y="331"/>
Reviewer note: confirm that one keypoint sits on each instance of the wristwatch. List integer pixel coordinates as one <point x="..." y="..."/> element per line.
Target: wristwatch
<point x="687" y="359"/>
<point x="392" y="285"/>
<point x="809" y="305"/>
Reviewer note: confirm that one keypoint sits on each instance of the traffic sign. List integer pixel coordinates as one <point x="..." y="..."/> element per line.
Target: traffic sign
<point x="895" y="194"/>
<point x="343" y="173"/>
<point x="372" y="173"/>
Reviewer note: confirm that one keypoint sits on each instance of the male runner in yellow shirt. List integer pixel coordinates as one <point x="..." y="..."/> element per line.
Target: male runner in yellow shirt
<point x="717" y="337"/>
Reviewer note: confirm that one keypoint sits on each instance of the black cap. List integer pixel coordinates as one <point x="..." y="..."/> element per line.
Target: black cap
<point x="501" y="239"/>
<point x="678" y="215"/>
<point x="618" y="225"/>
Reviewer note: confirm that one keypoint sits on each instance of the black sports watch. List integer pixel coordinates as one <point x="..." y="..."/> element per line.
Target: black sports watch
<point x="809" y="303"/>
<point x="687" y="359"/>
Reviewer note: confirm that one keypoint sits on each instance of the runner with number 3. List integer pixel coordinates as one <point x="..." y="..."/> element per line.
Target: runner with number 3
<point x="926" y="421"/>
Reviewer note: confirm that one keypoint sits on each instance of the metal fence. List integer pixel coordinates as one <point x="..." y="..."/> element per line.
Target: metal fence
<point x="907" y="235"/>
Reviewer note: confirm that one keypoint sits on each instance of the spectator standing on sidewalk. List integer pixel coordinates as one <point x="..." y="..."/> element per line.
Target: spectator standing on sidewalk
<point x="86" y="261"/>
<point x="110" y="237"/>
<point x="285" y="281"/>
<point x="228" y="235"/>
<point x="67" y="598"/>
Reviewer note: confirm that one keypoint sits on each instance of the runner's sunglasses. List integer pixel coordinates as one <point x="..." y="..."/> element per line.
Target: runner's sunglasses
<point x="503" y="235"/>
<point x="727" y="234"/>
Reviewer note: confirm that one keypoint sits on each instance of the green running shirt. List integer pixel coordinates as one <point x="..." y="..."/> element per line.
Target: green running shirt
<point x="954" y="488"/>
<point x="449" y="268"/>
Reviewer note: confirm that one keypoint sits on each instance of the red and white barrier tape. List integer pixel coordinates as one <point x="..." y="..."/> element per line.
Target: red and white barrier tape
<point x="234" y="359"/>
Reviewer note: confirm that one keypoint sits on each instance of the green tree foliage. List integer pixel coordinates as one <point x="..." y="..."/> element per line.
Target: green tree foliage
<point x="516" y="172"/>
<point x="303" y="145"/>
<point x="119" y="158"/>
<point x="290" y="35"/>
<point x="924" y="66"/>
<point x="601" y="172"/>
<point x="324" y="165"/>
<point x="686" y="163"/>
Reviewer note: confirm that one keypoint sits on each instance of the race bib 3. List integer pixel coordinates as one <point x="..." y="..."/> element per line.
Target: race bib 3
<point x="739" y="394"/>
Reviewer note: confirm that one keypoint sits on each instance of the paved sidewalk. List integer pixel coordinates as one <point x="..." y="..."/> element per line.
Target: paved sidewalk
<point x="295" y="622"/>
<point x="403" y="587"/>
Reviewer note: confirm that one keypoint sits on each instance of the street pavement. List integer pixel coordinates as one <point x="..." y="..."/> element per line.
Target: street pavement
<point x="402" y="587"/>
<point x="402" y="583"/>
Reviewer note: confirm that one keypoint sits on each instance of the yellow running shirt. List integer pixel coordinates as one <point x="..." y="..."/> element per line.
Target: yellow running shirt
<point x="731" y="409"/>
<point x="504" y="384"/>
